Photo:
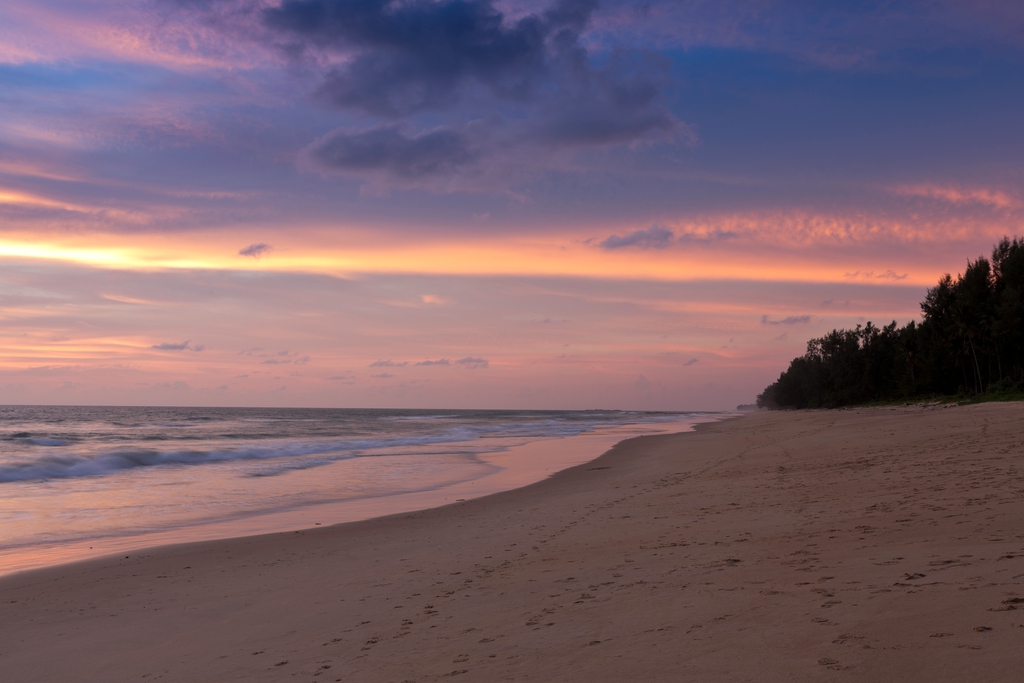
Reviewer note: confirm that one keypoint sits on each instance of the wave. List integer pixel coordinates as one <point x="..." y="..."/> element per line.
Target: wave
<point x="63" y="465"/>
<point x="27" y="438"/>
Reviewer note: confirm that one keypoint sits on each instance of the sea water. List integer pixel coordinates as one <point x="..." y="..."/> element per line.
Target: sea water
<point x="80" y="481"/>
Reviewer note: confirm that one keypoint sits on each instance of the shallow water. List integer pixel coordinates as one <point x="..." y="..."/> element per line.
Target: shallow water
<point x="76" y="481"/>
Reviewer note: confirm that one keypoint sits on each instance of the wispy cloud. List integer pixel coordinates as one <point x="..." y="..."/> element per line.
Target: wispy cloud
<point x="996" y="199"/>
<point x="658" y="237"/>
<point x="654" y="237"/>
<point x="171" y="346"/>
<point x="872" y="275"/>
<point x="472" y="363"/>
<point x="284" y="358"/>
<point x="788" y="320"/>
<point x="439" y="361"/>
<point x="388" y="364"/>
<point x="256" y="250"/>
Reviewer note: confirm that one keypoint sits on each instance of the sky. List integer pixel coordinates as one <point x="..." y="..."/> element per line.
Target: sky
<point x="566" y="204"/>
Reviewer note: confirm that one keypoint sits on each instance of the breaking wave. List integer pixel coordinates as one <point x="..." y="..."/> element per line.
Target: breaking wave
<point x="60" y="461"/>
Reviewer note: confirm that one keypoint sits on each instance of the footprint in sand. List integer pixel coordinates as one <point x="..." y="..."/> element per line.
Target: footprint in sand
<point x="832" y="664"/>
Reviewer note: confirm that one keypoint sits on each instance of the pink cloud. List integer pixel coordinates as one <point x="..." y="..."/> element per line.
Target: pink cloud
<point x="105" y="29"/>
<point x="996" y="199"/>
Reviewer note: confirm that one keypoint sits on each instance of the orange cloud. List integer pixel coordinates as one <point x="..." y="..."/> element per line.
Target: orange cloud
<point x="780" y="247"/>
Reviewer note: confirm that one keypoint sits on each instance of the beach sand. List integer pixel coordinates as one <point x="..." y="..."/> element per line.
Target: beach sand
<point x="882" y="544"/>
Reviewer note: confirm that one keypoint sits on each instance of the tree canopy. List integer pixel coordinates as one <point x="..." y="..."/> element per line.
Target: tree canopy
<point x="970" y="340"/>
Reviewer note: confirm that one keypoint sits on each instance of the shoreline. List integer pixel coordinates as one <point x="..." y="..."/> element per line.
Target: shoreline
<point x="518" y="466"/>
<point x="866" y="544"/>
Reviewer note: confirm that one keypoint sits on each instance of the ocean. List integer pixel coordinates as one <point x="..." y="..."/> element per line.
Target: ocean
<point x="81" y="481"/>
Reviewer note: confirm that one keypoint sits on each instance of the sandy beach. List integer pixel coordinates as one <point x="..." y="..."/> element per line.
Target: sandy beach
<point x="882" y="544"/>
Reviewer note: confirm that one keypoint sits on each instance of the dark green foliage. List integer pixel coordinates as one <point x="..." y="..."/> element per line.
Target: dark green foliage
<point x="969" y="342"/>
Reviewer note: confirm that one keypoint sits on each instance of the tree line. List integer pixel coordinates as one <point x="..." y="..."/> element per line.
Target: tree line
<point x="969" y="341"/>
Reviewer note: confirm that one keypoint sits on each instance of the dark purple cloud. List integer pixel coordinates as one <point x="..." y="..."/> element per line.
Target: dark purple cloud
<point x="473" y="363"/>
<point x="530" y="78"/>
<point x="255" y="250"/>
<point x="171" y="346"/>
<point x="789" y="320"/>
<point x="410" y="56"/>
<point x="387" y="149"/>
<point x="657" y="237"/>
<point x="654" y="237"/>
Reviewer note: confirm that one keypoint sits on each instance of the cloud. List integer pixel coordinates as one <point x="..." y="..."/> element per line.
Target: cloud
<point x="871" y="275"/>
<point x="387" y="149"/>
<point x="654" y="237"/>
<point x="404" y="57"/>
<point x="388" y="364"/>
<point x="492" y="85"/>
<point x="657" y="237"/>
<point x="789" y="320"/>
<point x="283" y="358"/>
<point x="992" y="198"/>
<point x="256" y="250"/>
<point x="620" y="102"/>
<point x="383" y="375"/>
<point x="689" y="362"/>
<point x="838" y="36"/>
<point x="439" y="361"/>
<point x="171" y="346"/>
<point x="175" y="386"/>
<point x="796" y="228"/>
<point x="472" y="363"/>
<point x="704" y="235"/>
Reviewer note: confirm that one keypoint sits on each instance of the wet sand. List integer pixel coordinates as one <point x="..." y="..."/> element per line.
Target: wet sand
<point x="870" y="545"/>
<point x="509" y="469"/>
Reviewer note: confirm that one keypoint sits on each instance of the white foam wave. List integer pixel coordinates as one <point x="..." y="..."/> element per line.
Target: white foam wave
<point x="63" y="465"/>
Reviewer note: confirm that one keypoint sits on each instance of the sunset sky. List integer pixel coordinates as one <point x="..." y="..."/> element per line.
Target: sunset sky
<point x="476" y="204"/>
